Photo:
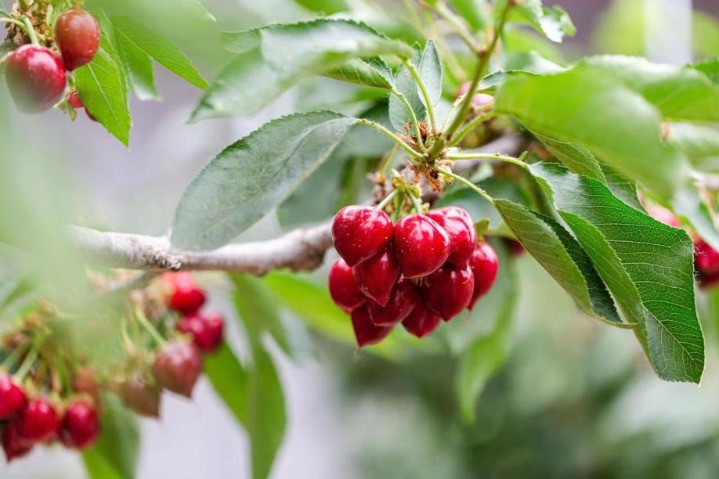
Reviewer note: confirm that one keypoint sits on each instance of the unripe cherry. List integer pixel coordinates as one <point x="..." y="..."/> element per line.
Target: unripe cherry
<point x="377" y="276"/>
<point x="12" y="443"/>
<point x="421" y="321"/>
<point x="484" y="264"/>
<point x="343" y="288"/>
<point x="403" y="299"/>
<point x="140" y="396"/>
<point x="366" y="333"/>
<point x="80" y="426"/>
<point x="39" y="421"/>
<point x="421" y="245"/>
<point x="360" y="232"/>
<point x="186" y="296"/>
<point x="460" y="229"/>
<point x="35" y="77"/>
<point x="12" y="398"/>
<point x="177" y="367"/>
<point x="77" y="34"/>
<point x="448" y="290"/>
<point x="206" y="330"/>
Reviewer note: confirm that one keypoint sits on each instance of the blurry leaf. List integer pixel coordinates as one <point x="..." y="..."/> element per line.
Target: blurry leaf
<point x="272" y="59"/>
<point x="430" y="71"/>
<point x="252" y="176"/>
<point x="327" y="7"/>
<point x="116" y="453"/>
<point x="399" y="116"/>
<point x="688" y="204"/>
<point x="700" y="143"/>
<point x="372" y="72"/>
<point x="553" y="21"/>
<point x="475" y="12"/>
<point x="229" y="380"/>
<point x="710" y="68"/>
<point x="647" y="266"/>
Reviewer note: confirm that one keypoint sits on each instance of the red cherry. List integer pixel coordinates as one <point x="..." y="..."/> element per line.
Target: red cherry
<point x="421" y="321"/>
<point x="12" y="398"/>
<point x="12" y="443"/>
<point x="38" y="422"/>
<point x="80" y="426"/>
<point x="377" y="276"/>
<point x="77" y="34"/>
<point x="421" y="245"/>
<point x="366" y="333"/>
<point x="515" y="247"/>
<point x="206" y="330"/>
<point x="484" y="264"/>
<point x="74" y="100"/>
<point x="460" y="228"/>
<point x="706" y="258"/>
<point x="141" y="397"/>
<point x="663" y="215"/>
<point x="479" y="100"/>
<point x="403" y="299"/>
<point x="360" y="232"/>
<point x="35" y="77"/>
<point x="177" y="367"/>
<point x="343" y="287"/>
<point x="449" y="290"/>
<point x="186" y="296"/>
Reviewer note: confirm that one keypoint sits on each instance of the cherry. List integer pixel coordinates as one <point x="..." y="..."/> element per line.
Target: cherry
<point x="206" y="330"/>
<point x="140" y="396"/>
<point x="77" y="34"/>
<point x="360" y="232"/>
<point x="377" y="276"/>
<point x="706" y="258"/>
<point x="185" y="296"/>
<point x="403" y="299"/>
<point x="343" y="287"/>
<point x="366" y="332"/>
<point x="663" y="215"/>
<point x="484" y="264"/>
<point x="460" y="229"/>
<point x="449" y="290"/>
<point x="80" y="426"/>
<point x="12" y="398"/>
<point x="515" y="247"/>
<point x="421" y="321"/>
<point x="35" y="77"/>
<point x="12" y="443"/>
<point x="479" y="100"/>
<point x="74" y="100"/>
<point x="421" y="245"/>
<point x="39" y="421"/>
<point x="177" y="367"/>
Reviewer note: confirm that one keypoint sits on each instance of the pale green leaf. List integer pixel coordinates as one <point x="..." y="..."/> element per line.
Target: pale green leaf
<point x="116" y="453"/>
<point x="229" y="380"/>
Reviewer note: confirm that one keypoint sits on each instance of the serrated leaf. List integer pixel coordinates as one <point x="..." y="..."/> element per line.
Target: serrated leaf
<point x="622" y="187"/>
<point x="139" y="69"/>
<point x="577" y="158"/>
<point x="116" y="453"/>
<point x="229" y="380"/>
<point x="405" y="84"/>
<point x="430" y="71"/>
<point x="272" y="59"/>
<point x="646" y="265"/>
<point x="372" y="72"/>
<point x="553" y="21"/>
<point x="252" y="176"/>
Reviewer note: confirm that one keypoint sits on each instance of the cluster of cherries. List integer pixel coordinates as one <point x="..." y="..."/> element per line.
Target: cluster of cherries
<point x="37" y="77"/>
<point x="35" y="410"/>
<point x="419" y="271"/>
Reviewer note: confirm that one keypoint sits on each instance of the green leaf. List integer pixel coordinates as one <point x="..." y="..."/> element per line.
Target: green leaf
<point x="405" y="84"/>
<point x="622" y="187"/>
<point x="139" y="69"/>
<point x="372" y="72"/>
<point x="690" y="206"/>
<point x="230" y="381"/>
<point x="646" y="265"/>
<point x="577" y="158"/>
<point x="710" y="68"/>
<point x="272" y="59"/>
<point x="104" y="91"/>
<point x="553" y="21"/>
<point x="116" y="453"/>
<point x="252" y="176"/>
<point x="167" y="54"/>
<point x="475" y="12"/>
<point x="327" y="7"/>
<point x="700" y="143"/>
<point x="430" y="71"/>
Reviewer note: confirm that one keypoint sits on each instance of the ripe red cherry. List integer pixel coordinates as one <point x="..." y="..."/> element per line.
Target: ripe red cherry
<point x="12" y="443"/>
<point x="35" y="77"/>
<point x="12" y="398"/>
<point x="403" y="299"/>
<point x="663" y="215"/>
<point x="141" y="397"/>
<point x="359" y="232"/>
<point x="366" y="333"/>
<point x="515" y="247"/>
<point x="421" y="321"/>
<point x="377" y="276"/>
<point x="38" y="422"/>
<point x="177" y="367"/>
<point x="479" y="100"/>
<point x="449" y="290"/>
<point x="74" y="100"/>
<point x="185" y="296"/>
<point x="206" y="330"/>
<point x="343" y="287"/>
<point x="77" y="34"/>
<point x="484" y="264"/>
<point x="460" y="228"/>
<point x="80" y="426"/>
<point x="421" y="245"/>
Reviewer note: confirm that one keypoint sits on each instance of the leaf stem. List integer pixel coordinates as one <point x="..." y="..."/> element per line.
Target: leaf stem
<point x="488" y="156"/>
<point x="425" y="94"/>
<point x="413" y="115"/>
<point x="467" y="183"/>
<point x="471" y="126"/>
<point x="395" y="138"/>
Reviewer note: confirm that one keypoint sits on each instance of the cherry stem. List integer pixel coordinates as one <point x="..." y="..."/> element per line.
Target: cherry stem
<point x="150" y="328"/>
<point x="388" y="158"/>
<point x="425" y="94"/>
<point x="467" y="183"/>
<point x="13" y="357"/>
<point x="30" y="31"/>
<point x="12" y="20"/>
<point x="387" y="199"/>
<point x="29" y="360"/>
<point x="395" y="138"/>
<point x="416" y="203"/>
<point x="471" y="126"/>
<point x="488" y="156"/>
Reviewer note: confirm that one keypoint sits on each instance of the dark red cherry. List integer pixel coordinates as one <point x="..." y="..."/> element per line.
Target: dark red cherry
<point x="77" y="34"/>
<point x="35" y="77"/>
<point x="12" y="398"/>
<point x="177" y="367"/>
<point x="366" y="333"/>
<point x="706" y="257"/>
<point x="186" y="296"/>
<point x="421" y="245"/>
<point x="74" y="100"/>
<point x="206" y="330"/>
<point x="360" y="232"/>
<point x="377" y="276"/>
<point x="460" y="229"/>
<point x="142" y="397"/>
<point x="80" y="426"/>
<point x="12" y="443"/>
<point x="449" y="290"/>
<point x="663" y="215"/>
<point x="484" y="264"/>
<point x="39" y="421"/>
<point x="343" y="287"/>
<point x="403" y="299"/>
<point x="515" y="247"/>
<point x="421" y="321"/>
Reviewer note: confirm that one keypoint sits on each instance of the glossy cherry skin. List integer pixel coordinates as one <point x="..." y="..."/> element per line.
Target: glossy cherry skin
<point x="366" y="333"/>
<point x="177" y="367"/>
<point x="80" y="426"/>
<point x="35" y="77"/>
<point x="74" y="100"/>
<point x="343" y="288"/>
<point x="421" y="321"/>
<point x="403" y="299"/>
<point x="449" y="290"/>
<point x="421" y="245"/>
<point x="360" y="232"/>
<point x="485" y="265"/>
<point x="141" y="397"/>
<point x="377" y="276"/>
<point x="39" y="421"/>
<point x="186" y="296"/>
<point x="13" y="444"/>
<point x="663" y="215"/>
<point x="12" y="398"/>
<point x="206" y="330"/>
<point x="77" y="34"/>
<point x="460" y="229"/>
